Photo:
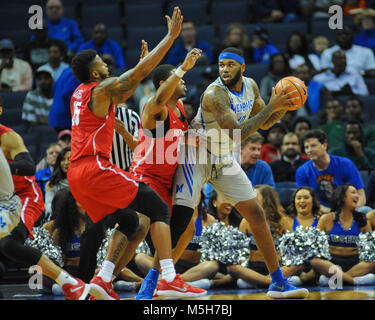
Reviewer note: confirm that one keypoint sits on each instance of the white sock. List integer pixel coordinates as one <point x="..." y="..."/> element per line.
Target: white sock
<point x="168" y="272"/>
<point x="106" y="271"/>
<point x="64" y="278"/>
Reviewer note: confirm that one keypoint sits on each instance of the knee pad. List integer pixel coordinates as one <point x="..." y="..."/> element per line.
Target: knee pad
<point x="128" y="223"/>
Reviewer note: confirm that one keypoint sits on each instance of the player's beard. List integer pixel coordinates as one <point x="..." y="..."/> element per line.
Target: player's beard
<point x="103" y="76"/>
<point x="232" y="82"/>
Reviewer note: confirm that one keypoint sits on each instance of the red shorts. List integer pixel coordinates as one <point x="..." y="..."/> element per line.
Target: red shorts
<point x="161" y="189"/>
<point x="32" y="208"/>
<point x="100" y="187"/>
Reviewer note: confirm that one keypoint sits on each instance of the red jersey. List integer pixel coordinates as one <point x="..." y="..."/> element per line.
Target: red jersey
<point x="91" y="135"/>
<point x="99" y="186"/>
<point x="157" y="151"/>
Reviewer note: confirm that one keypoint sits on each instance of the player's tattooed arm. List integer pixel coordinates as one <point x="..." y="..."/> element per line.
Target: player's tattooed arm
<point x="259" y="104"/>
<point x="217" y="101"/>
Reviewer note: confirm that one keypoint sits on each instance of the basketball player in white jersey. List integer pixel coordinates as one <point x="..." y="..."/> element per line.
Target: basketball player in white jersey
<point x="231" y="109"/>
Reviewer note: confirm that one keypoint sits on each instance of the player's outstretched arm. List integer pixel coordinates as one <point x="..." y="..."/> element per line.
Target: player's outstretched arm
<point x="156" y="104"/>
<point x="124" y="85"/>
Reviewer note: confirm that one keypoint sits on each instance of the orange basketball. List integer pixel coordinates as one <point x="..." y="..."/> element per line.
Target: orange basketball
<point x="295" y="84"/>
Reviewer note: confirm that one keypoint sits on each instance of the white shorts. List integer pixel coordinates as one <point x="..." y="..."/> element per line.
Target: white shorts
<point x="226" y="177"/>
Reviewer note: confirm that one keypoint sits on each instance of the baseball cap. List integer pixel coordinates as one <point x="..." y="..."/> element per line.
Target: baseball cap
<point x="6" y="44"/>
<point x="43" y="69"/>
<point x="64" y="133"/>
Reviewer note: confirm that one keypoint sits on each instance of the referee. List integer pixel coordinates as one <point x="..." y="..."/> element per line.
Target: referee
<point x="125" y="139"/>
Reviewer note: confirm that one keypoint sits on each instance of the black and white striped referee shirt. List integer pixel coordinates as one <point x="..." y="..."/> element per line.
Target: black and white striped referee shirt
<point x="121" y="154"/>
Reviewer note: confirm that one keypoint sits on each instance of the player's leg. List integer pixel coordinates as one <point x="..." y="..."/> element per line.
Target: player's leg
<point x="242" y="195"/>
<point x="12" y="247"/>
<point x="127" y="220"/>
<point x="149" y="203"/>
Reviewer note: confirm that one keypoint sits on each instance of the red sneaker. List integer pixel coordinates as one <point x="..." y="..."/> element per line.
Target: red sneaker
<point x="179" y="289"/>
<point x="102" y="290"/>
<point x="76" y="292"/>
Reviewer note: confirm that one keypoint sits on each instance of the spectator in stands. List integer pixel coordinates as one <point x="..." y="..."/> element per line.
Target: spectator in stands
<point x="340" y="80"/>
<point x="354" y="146"/>
<point x="57" y="181"/>
<point x="189" y="41"/>
<point x="285" y="169"/>
<point x="258" y="171"/>
<point x="334" y="123"/>
<point x="36" y="50"/>
<point x="262" y="48"/>
<point x="366" y="38"/>
<point x="320" y="43"/>
<point x="370" y="195"/>
<point x="102" y="44"/>
<point x="64" y="138"/>
<point x="38" y="102"/>
<point x="235" y="36"/>
<point x="324" y="172"/>
<point x="351" y="7"/>
<point x="59" y="116"/>
<point x="42" y="176"/>
<point x="360" y="59"/>
<point x="318" y="8"/>
<point x="62" y="28"/>
<point x="318" y="94"/>
<point x="353" y="111"/>
<point x="190" y="110"/>
<point x="56" y="62"/>
<point x="297" y="51"/>
<point x="278" y="68"/>
<point x="300" y="125"/>
<point x="271" y="149"/>
<point x="15" y="74"/>
<point x="275" y="11"/>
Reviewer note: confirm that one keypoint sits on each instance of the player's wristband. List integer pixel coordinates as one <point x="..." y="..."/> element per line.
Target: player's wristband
<point x="179" y="72"/>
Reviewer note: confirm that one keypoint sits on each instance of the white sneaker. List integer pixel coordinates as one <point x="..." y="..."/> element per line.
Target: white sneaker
<point x="242" y="284"/>
<point x="202" y="283"/>
<point x="122" y="285"/>
<point x="295" y="280"/>
<point x="366" y="280"/>
<point x="323" y="281"/>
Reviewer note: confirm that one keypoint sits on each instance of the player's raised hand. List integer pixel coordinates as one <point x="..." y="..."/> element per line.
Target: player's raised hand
<point x="175" y="23"/>
<point x="191" y="59"/>
<point x="144" y="50"/>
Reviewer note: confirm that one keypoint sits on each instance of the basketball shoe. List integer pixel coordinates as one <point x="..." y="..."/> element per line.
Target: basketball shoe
<point x="102" y="290"/>
<point x="78" y="291"/>
<point x="178" y="289"/>
<point x="146" y="292"/>
<point x="284" y="290"/>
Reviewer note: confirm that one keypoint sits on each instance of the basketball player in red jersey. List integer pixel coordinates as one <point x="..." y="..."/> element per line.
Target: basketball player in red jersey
<point x="12" y="246"/>
<point x="163" y="124"/>
<point x="104" y="190"/>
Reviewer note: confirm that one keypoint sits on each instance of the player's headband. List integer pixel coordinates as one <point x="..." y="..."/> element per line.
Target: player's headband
<point x="231" y="55"/>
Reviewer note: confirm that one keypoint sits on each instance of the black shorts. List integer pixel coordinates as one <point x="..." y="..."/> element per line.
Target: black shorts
<point x="258" y="266"/>
<point x="345" y="262"/>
